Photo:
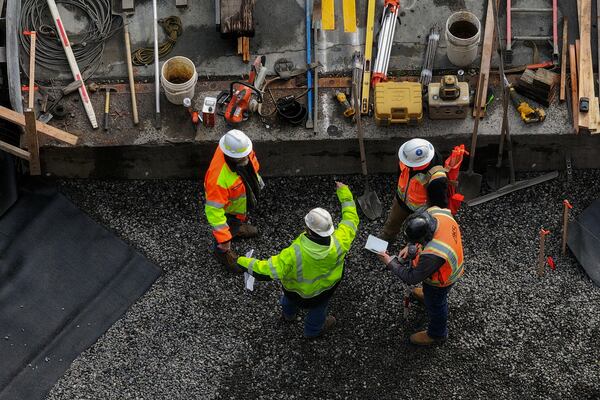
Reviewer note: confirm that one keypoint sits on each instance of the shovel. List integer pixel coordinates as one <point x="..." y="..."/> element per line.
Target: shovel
<point x="469" y="183"/>
<point x="369" y="202"/>
<point x="498" y="175"/>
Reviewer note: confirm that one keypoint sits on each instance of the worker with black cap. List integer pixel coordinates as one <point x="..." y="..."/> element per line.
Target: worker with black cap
<point x="422" y="182"/>
<point x="312" y="267"/>
<point x="438" y="264"/>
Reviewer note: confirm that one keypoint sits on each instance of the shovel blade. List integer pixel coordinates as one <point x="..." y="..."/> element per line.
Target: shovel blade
<point x="370" y="205"/>
<point x="469" y="184"/>
<point x="497" y="177"/>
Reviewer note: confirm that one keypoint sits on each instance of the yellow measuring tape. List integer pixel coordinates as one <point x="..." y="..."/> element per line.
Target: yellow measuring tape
<point x="366" y="83"/>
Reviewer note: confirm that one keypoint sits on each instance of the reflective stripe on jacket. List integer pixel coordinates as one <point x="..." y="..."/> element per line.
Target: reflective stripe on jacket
<point x="308" y="268"/>
<point x="447" y="244"/>
<point x="413" y="191"/>
<point x="225" y="194"/>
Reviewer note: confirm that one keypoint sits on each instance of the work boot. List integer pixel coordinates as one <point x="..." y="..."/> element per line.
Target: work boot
<point x="417" y="294"/>
<point x="423" y="339"/>
<point x="287" y="319"/>
<point x="229" y="260"/>
<point x="246" y="231"/>
<point x="327" y="326"/>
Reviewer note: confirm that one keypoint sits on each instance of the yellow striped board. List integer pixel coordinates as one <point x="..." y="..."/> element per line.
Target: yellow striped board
<point x="328" y="15"/>
<point x="349" y="9"/>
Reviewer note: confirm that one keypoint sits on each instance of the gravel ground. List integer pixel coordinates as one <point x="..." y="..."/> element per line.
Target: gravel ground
<point x="197" y="334"/>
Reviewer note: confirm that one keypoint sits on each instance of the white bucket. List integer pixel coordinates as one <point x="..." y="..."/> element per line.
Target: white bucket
<point x="463" y="32"/>
<point x="178" y="77"/>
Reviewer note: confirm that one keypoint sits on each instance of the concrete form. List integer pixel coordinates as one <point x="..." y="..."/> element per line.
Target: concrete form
<point x="178" y="151"/>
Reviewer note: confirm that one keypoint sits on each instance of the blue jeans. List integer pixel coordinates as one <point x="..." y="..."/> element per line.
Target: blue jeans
<point x="436" y="302"/>
<point x="315" y="318"/>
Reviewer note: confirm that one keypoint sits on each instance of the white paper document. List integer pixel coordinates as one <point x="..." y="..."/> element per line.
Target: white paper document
<point x="376" y="245"/>
<point x="248" y="282"/>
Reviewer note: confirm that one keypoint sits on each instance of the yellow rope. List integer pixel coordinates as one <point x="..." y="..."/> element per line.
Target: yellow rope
<point x="173" y="29"/>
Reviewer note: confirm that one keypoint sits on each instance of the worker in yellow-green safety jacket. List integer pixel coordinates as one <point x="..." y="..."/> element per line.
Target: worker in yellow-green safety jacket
<point x="311" y="268"/>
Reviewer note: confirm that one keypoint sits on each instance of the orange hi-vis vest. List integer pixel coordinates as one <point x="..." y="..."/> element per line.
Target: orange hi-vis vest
<point x="447" y="244"/>
<point x="225" y="194"/>
<point x="413" y="191"/>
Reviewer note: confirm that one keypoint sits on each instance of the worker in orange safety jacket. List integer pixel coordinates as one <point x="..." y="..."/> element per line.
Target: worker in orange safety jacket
<point x="438" y="264"/>
<point x="422" y="182"/>
<point x="232" y="187"/>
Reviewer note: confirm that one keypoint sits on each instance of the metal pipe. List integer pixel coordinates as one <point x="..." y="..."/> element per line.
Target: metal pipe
<point x="536" y="38"/>
<point x="532" y="10"/>
<point x="156" y="69"/>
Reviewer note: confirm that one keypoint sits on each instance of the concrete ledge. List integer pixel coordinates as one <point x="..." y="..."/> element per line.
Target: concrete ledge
<point x="307" y="157"/>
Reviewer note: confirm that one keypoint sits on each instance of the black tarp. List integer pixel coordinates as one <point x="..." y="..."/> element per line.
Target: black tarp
<point x="64" y="280"/>
<point x="8" y="182"/>
<point x="584" y="240"/>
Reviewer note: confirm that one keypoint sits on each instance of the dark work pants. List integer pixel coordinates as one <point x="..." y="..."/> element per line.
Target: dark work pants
<point x="436" y="302"/>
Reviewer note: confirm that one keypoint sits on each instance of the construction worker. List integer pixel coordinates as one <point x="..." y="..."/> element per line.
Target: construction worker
<point x="311" y="268"/>
<point x="232" y="185"/>
<point x="438" y="264"/>
<point x="422" y="181"/>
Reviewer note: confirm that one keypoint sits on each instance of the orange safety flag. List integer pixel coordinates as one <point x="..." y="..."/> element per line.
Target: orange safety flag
<point x="452" y="165"/>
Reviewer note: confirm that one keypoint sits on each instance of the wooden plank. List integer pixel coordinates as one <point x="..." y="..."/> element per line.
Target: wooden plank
<point x="31" y="137"/>
<point x="328" y="15"/>
<point x="574" y="87"/>
<point x="586" y="82"/>
<point x="349" y="10"/>
<point x="55" y="133"/>
<point x="486" y="58"/>
<point x="577" y="53"/>
<point x="595" y="116"/>
<point x="563" y="61"/>
<point x="31" y="96"/>
<point x="14" y="150"/>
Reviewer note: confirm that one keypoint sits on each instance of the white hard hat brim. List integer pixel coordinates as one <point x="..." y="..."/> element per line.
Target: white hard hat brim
<point x="411" y="164"/>
<point x="325" y="234"/>
<point x="232" y="154"/>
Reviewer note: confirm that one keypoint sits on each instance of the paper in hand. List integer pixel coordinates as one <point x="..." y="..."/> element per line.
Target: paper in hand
<point x="248" y="281"/>
<point x="376" y="245"/>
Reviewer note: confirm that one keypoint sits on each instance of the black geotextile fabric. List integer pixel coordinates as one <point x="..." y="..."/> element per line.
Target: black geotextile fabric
<point x="8" y="182"/>
<point x="584" y="240"/>
<point x="64" y="280"/>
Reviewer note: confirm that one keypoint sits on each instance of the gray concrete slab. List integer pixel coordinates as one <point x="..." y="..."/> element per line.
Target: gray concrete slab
<point x="280" y="32"/>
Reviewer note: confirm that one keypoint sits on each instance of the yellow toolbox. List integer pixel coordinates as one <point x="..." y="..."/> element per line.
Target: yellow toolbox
<point x="448" y="99"/>
<point x="398" y="103"/>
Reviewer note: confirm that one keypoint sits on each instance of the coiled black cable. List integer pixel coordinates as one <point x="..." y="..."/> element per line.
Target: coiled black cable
<point x="87" y="45"/>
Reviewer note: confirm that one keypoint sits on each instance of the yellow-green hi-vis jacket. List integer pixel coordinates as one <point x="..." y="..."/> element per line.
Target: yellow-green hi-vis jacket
<point x="308" y="268"/>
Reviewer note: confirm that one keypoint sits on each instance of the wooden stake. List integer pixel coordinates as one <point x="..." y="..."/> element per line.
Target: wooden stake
<point x="586" y="73"/>
<point x="487" y="50"/>
<point x="574" y="87"/>
<point x="542" y="254"/>
<point x="31" y="137"/>
<point x="32" y="37"/>
<point x="563" y="62"/>
<point x="567" y="206"/>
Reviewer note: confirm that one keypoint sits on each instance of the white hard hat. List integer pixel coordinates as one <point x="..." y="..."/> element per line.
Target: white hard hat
<point x="416" y="153"/>
<point x="235" y="144"/>
<point x="319" y="221"/>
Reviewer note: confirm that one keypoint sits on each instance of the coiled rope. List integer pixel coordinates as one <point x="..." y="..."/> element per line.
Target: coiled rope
<point x="173" y="29"/>
<point x="87" y="45"/>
